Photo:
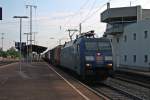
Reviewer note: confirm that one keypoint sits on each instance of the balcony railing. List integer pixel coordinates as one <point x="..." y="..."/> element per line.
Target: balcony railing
<point x="115" y="29"/>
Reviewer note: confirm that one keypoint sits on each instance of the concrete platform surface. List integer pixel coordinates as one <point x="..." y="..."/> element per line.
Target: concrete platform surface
<point x="138" y="72"/>
<point x="36" y="81"/>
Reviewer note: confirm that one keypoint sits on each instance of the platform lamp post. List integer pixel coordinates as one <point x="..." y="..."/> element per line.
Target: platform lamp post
<point x="20" y="17"/>
<point x="2" y="39"/>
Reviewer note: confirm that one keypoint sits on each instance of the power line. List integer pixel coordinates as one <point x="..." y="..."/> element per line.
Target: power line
<point x="92" y="7"/>
<point x="71" y="30"/>
<point x="86" y="2"/>
<point x="76" y="13"/>
<point x="92" y="14"/>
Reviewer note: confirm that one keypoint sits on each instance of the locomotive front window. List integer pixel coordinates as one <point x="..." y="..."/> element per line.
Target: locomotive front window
<point x="104" y="46"/>
<point x="97" y="46"/>
<point x="91" y="46"/>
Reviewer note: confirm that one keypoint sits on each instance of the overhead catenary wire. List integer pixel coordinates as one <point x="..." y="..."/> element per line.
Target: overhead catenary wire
<point x="82" y="6"/>
<point x="92" y="14"/>
<point x="92" y="7"/>
<point x="125" y="3"/>
<point x="90" y="10"/>
<point x="78" y="11"/>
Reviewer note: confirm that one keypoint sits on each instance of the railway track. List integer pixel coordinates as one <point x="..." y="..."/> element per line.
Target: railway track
<point x="105" y="97"/>
<point x="143" y="84"/>
<point x="3" y="63"/>
<point x="108" y="92"/>
<point x="75" y="78"/>
<point x="138" y="79"/>
<point x="130" y="88"/>
<point x="115" y="93"/>
<point x="6" y="62"/>
<point x="115" y="89"/>
<point x="111" y="93"/>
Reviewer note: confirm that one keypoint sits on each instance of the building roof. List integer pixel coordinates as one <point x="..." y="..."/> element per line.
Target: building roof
<point x="35" y="48"/>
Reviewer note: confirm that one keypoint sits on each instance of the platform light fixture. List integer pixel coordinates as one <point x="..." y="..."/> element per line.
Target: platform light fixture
<point x="20" y="17"/>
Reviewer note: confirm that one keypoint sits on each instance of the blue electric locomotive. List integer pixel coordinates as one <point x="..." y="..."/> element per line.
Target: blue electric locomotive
<point x="89" y="57"/>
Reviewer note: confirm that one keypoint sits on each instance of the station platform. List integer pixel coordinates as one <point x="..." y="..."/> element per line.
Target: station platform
<point x="38" y="81"/>
<point x="140" y="77"/>
<point x="136" y="72"/>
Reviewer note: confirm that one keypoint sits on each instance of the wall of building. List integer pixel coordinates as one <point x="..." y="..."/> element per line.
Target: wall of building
<point x="131" y="47"/>
<point x="120" y="12"/>
<point x="140" y="47"/>
<point x="145" y="14"/>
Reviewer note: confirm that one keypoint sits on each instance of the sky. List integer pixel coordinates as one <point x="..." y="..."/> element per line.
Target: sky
<point x="52" y="18"/>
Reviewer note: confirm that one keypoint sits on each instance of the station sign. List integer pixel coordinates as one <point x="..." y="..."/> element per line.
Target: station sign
<point x="0" y="13"/>
<point x="17" y="45"/>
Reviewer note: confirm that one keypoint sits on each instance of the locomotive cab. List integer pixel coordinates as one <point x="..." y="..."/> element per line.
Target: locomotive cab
<point x="87" y="56"/>
<point x="97" y="57"/>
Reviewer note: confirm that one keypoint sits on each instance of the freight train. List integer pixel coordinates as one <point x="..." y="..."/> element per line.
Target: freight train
<point x="87" y="56"/>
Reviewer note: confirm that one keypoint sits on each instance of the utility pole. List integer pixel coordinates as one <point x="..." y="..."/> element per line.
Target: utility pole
<point x="59" y="40"/>
<point x="31" y="6"/>
<point x="34" y="37"/>
<point x="27" y="45"/>
<point x="2" y="39"/>
<point x="20" y="17"/>
<point x="71" y="30"/>
<point x="130" y="3"/>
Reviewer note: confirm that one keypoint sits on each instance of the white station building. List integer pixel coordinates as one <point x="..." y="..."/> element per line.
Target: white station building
<point x="129" y="31"/>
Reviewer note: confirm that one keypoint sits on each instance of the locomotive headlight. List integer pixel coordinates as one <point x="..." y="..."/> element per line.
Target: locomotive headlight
<point x="109" y="66"/>
<point x="89" y="58"/>
<point x="88" y="66"/>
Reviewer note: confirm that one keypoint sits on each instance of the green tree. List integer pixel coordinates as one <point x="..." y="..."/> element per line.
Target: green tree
<point x="3" y="53"/>
<point x="12" y="52"/>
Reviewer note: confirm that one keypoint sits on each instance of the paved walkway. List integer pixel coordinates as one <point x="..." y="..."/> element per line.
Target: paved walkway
<point x="34" y="82"/>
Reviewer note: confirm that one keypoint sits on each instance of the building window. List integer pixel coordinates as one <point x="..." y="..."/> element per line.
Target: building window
<point x="145" y="34"/>
<point x="134" y="58"/>
<point x="134" y="36"/>
<point x="125" y="58"/>
<point x="145" y="58"/>
<point x="125" y="38"/>
<point x="117" y="40"/>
